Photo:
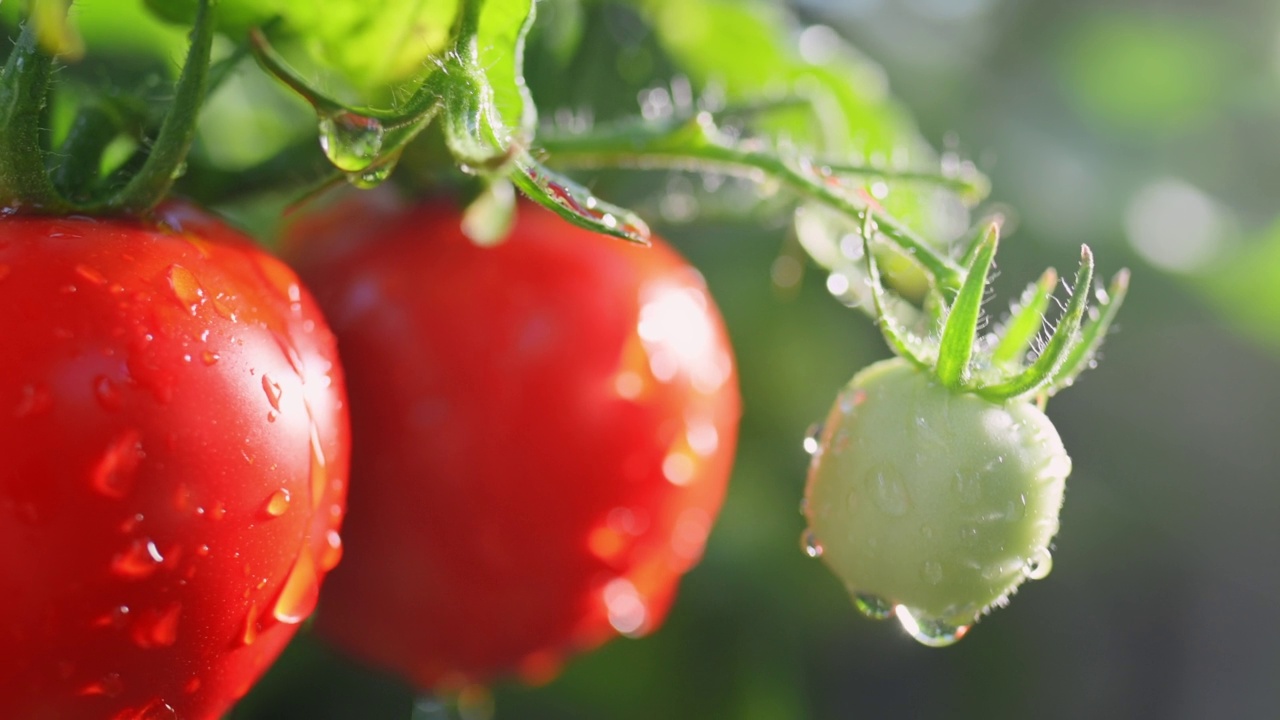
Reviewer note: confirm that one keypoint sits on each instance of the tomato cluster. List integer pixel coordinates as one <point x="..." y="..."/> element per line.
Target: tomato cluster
<point x="175" y="432"/>
<point x="543" y="433"/>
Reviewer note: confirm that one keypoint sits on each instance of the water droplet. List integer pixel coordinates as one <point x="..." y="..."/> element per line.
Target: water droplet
<point x="804" y="506"/>
<point x="217" y="511"/>
<point x="156" y="628"/>
<point x="849" y="400"/>
<point x="319" y="469"/>
<point x="300" y="592"/>
<point x="249" y="633"/>
<point x="209" y="357"/>
<point x="581" y="202"/>
<point x="107" y="392"/>
<point x="926" y="630"/>
<point x="810" y="544"/>
<point x="140" y="560"/>
<point x="91" y="274"/>
<point x="222" y="308"/>
<point x="157" y="709"/>
<point x="372" y="177"/>
<point x="1039" y="565"/>
<point x="679" y="469"/>
<point x="191" y="685"/>
<point x="873" y="606"/>
<point x="350" y="140"/>
<point x="813" y="438"/>
<point x="277" y="504"/>
<point x="109" y="685"/>
<point x="332" y="553"/>
<point x="626" y="609"/>
<point x="113" y="475"/>
<point x="115" y="618"/>
<point x="186" y="288"/>
<point x="887" y="491"/>
<point x="273" y="391"/>
<point x="931" y="572"/>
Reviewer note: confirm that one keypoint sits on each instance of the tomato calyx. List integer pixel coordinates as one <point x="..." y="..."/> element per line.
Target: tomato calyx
<point x="36" y="178"/>
<point x="365" y="144"/>
<point x="1000" y="368"/>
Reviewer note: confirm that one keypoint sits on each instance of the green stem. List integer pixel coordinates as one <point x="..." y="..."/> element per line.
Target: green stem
<point x="697" y="145"/>
<point x="24" y="84"/>
<point x="96" y="125"/>
<point x="177" y="132"/>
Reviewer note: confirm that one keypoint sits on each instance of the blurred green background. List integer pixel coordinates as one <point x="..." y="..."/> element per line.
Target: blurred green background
<point x="1146" y="128"/>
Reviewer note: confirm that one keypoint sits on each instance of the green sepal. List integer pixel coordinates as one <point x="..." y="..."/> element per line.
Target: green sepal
<point x="961" y="328"/>
<point x="1047" y="366"/>
<point x="1025" y="321"/>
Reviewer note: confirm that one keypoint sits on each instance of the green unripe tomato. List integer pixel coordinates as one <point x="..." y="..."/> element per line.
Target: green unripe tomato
<point x="929" y="503"/>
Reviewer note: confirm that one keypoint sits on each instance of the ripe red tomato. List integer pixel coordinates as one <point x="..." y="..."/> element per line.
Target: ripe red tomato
<point x="543" y="433"/>
<point x="173" y="423"/>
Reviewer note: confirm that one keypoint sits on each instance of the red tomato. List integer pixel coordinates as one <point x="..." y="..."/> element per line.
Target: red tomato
<point x="543" y="432"/>
<point x="173" y="423"/>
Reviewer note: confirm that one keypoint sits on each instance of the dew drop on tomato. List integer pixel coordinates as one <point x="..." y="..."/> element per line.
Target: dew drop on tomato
<point x="138" y="562"/>
<point x="300" y="592"/>
<point x="186" y="289"/>
<point x="113" y="475"/>
<point x="1038" y="566"/>
<point x="157" y="709"/>
<point x="278" y="503"/>
<point x="91" y="274"/>
<point x="319" y="470"/>
<point x="332" y="554"/>
<point x="272" y="390"/>
<point x="157" y="627"/>
<point x="810" y="544"/>
<point x="626" y="609"/>
<point x="811" y="442"/>
<point x="249" y="632"/>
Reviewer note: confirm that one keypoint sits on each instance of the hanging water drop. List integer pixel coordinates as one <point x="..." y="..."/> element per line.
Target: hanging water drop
<point x="1039" y="565"/>
<point x="812" y="438"/>
<point x="873" y="606"/>
<point x="926" y="630"/>
<point x="113" y="475"/>
<point x="372" y="177"/>
<point x="157" y="628"/>
<point x="350" y="140"/>
<point x="810" y="544"/>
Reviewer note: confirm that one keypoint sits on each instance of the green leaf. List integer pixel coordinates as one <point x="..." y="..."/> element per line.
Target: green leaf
<point x="369" y="44"/>
<point x="503" y="27"/>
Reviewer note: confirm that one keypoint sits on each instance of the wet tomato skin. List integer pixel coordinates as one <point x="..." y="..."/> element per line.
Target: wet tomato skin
<point x="543" y="432"/>
<point x="173" y="420"/>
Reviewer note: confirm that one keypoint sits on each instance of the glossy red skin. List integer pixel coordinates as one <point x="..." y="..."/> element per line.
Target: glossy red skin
<point x="510" y="436"/>
<point x="135" y="424"/>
